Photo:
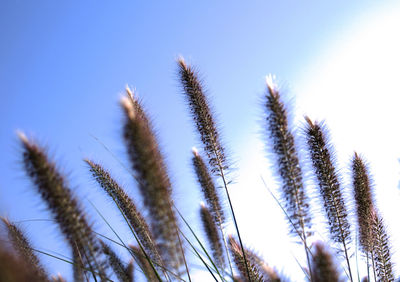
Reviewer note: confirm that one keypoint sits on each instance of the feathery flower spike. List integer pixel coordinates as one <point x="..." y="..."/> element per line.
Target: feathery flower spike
<point x="127" y="206"/>
<point x="283" y="145"/>
<point x="329" y="185"/>
<point x="381" y="249"/>
<point x="238" y="258"/>
<point x="203" y="117"/>
<point x="143" y="263"/>
<point x="209" y="136"/>
<point x="268" y="273"/>
<point x="213" y="236"/>
<point x="24" y="249"/>
<point x="208" y="188"/>
<point x="116" y="264"/>
<point x="363" y="202"/>
<point x="63" y="205"/>
<point x="151" y="175"/>
<point x="324" y="269"/>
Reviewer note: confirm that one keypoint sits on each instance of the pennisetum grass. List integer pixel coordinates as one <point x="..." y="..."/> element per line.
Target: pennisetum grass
<point x="287" y="164"/>
<point x="122" y="271"/>
<point x="25" y="250"/>
<point x="212" y="198"/>
<point x="14" y="268"/>
<point x="381" y="249"/>
<point x="64" y="207"/>
<point x="247" y="269"/>
<point x="324" y="268"/>
<point x="144" y="264"/>
<point x="154" y="184"/>
<point x="158" y="245"/>
<point x="213" y="236"/>
<point x="203" y="118"/>
<point x="364" y="205"/>
<point x="329" y="185"/>
<point x="127" y="206"/>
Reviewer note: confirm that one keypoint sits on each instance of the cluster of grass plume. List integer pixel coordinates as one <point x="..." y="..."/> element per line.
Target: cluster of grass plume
<point x="160" y="240"/>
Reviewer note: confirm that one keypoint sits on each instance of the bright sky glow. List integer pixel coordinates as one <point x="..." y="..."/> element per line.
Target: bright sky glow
<point x="352" y="86"/>
<point x="62" y="74"/>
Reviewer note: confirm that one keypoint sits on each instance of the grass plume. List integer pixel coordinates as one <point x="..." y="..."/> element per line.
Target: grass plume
<point x="25" y="250"/>
<point x="143" y="263"/>
<point x="324" y="268"/>
<point x="159" y="246"/>
<point x="127" y="206"/>
<point x="381" y="249"/>
<point x="213" y="235"/>
<point x="288" y="166"/>
<point x="329" y="185"/>
<point x="247" y="272"/>
<point x="122" y="271"/>
<point x="203" y="118"/>
<point x="64" y="207"/>
<point x="363" y="202"/>
<point x="151" y="175"/>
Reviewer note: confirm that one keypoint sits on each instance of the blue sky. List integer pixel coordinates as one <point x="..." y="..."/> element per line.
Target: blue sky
<point x="65" y="64"/>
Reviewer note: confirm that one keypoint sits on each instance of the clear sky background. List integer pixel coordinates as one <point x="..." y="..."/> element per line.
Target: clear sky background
<point x="64" y="65"/>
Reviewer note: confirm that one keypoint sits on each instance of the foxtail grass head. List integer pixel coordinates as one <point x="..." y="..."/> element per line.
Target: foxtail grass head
<point x="381" y="249"/>
<point x="323" y="267"/>
<point x="287" y="161"/>
<point x="328" y="181"/>
<point x="213" y="235"/>
<point x="208" y="187"/>
<point x="202" y="116"/>
<point x="25" y="250"/>
<point x="126" y="205"/>
<point x="152" y="177"/>
<point x="363" y="202"/>
<point x="62" y="204"/>
<point x="247" y="273"/>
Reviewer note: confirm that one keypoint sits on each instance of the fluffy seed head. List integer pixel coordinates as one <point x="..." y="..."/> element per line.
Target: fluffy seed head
<point x="154" y="184"/>
<point x="363" y="202"/>
<point x="208" y="188"/>
<point x="52" y="187"/>
<point x="213" y="235"/>
<point x="24" y="249"/>
<point x="239" y="260"/>
<point x="288" y="167"/>
<point x="323" y="268"/>
<point x="328" y="181"/>
<point x="202" y="115"/>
